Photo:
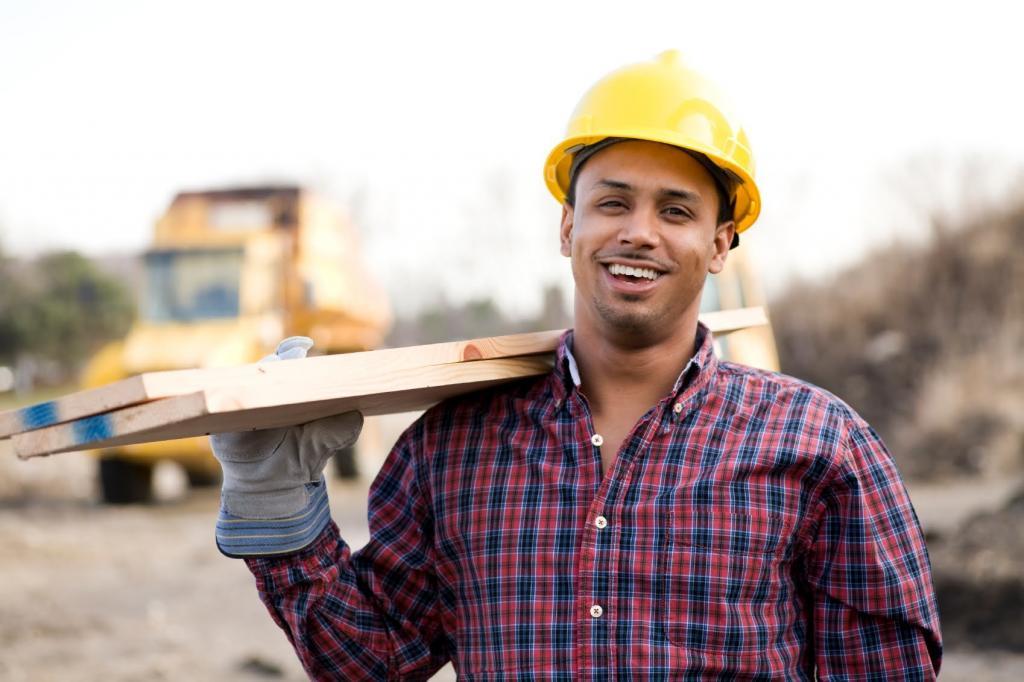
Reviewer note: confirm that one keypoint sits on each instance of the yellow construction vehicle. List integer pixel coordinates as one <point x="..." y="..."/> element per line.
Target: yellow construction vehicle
<point x="230" y="273"/>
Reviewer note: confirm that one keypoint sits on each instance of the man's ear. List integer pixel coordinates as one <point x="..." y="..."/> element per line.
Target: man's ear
<point x="723" y="240"/>
<point x="565" y="232"/>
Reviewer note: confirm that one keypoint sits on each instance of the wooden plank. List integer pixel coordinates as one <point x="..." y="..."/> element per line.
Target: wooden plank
<point x="355" y="370"/>
<point x="158" y="385"/>
<point x="722" y="322"/>
<point x="276" y="403"/>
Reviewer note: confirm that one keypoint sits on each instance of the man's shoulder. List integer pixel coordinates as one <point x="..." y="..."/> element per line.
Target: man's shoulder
<point x="745" y="388"/>
<point x="515" y="398"/>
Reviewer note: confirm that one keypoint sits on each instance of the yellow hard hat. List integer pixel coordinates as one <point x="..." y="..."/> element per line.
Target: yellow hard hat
<point x="661" y="101"/>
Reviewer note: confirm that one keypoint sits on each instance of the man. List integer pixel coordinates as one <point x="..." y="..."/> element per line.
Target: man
<point x="645" y="511"/>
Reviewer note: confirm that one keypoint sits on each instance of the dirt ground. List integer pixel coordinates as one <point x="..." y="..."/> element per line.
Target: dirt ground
<point x="118" y="594"/>
<point x="90" y="592"/>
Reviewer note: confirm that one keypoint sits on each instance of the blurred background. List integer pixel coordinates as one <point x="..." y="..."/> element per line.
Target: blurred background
<point x="182" y="183"/>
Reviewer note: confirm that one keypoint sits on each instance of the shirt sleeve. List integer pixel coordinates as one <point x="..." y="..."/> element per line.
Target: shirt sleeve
<point x="372" y="614"/>
<point x="874" y="610"/>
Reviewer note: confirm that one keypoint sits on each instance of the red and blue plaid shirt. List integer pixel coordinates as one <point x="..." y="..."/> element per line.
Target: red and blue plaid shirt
<point x="752" y="527"/>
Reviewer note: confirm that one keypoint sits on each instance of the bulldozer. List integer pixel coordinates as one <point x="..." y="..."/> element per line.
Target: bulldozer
<point x="231" y="272"/>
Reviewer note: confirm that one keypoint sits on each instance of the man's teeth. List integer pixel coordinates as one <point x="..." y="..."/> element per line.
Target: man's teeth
<point x="646" y="273"/>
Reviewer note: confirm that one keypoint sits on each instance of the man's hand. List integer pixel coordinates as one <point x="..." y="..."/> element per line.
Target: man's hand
<point x="274" y="474"/>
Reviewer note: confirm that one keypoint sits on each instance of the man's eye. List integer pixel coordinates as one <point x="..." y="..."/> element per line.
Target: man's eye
<point x="611" y="203"/>
<point x="677" y="212"/>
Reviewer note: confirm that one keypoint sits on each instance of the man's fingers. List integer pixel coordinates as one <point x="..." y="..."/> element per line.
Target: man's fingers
<point x="334" y="433"/>
<point x="246" y="446"/>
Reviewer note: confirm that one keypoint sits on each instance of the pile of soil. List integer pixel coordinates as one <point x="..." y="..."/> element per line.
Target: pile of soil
<point x="979" y="580"/>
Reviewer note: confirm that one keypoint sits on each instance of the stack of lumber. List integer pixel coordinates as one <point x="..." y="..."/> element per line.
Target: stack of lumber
<point x="177" y="404"/>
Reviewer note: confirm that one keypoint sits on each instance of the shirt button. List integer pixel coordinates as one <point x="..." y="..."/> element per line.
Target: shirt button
<point x="596" y="611"/>
<point x="601" y="522"/>
<point x="597" y="440"/>
<point x="677" y="408"/>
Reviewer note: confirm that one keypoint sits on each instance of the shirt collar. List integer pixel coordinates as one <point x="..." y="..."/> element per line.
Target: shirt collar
<point x="695" y="374"/>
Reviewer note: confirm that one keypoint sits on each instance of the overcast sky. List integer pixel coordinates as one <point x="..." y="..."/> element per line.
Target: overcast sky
<point x="433" y="119"/>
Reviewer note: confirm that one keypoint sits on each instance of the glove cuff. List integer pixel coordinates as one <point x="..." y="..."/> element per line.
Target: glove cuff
<point x="239" y="537"/>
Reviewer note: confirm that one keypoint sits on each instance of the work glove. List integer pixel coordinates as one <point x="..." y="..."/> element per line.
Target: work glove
<point x="273" y="498"/>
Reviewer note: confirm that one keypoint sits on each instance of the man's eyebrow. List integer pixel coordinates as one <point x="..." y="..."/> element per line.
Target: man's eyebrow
<point x="614" y="184"/>
<point x="682" y="194"/>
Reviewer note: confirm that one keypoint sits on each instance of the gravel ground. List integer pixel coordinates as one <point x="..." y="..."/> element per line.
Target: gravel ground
<point x="140" y="593"/>
<point x="123" y="594"/>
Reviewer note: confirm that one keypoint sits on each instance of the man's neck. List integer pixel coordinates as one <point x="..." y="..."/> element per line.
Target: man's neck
<point x="615" y="374"/>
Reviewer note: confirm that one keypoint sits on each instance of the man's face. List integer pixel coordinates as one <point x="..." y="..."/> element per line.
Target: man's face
<point x="647" y="206"/>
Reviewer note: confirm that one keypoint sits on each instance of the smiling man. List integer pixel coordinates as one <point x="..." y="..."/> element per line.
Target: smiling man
<point x="642" y="229"/>
<point x="645" y="511"/>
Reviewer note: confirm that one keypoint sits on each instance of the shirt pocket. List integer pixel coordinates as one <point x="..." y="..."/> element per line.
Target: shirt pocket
<point x="720" y="580"/>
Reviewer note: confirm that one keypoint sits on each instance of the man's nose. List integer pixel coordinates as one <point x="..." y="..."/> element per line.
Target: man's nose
<point x="640" y="228"/>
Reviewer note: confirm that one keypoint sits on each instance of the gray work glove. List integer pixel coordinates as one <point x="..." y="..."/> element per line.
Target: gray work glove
<point x="276" y="474"/>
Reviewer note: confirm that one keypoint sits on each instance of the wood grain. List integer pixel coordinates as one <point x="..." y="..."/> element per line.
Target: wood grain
<point x="275" y="404"/>
<point x="179" y="404"/>
<point x="158" y="385"/>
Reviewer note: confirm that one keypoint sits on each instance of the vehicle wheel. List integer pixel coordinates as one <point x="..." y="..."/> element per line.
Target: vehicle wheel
<point x="345" y="463"/>
<point x="125" y="482"/>
<point x="202" y="479"/>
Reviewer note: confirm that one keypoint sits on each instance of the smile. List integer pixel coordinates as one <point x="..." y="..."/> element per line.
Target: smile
<point x="629" y="272"/>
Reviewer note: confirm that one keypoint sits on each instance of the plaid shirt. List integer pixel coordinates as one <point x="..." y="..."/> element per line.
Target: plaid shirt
<point x="751" y="527"/>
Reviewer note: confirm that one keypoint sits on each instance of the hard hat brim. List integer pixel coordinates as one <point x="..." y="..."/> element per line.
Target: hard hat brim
<point x="747" y="197"/>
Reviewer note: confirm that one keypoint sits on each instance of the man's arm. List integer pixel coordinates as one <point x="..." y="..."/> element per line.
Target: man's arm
<point x="874" y="609"/>
<point x="374" y="614"/>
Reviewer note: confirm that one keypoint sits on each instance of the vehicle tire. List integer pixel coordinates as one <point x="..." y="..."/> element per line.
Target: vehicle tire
<point x="125" y="482"/>
<point x="345" y="466"/>
<point x="202" y="479"/>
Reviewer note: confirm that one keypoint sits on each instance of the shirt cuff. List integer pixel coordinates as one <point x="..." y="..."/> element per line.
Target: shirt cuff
<point x="239" y="538"/>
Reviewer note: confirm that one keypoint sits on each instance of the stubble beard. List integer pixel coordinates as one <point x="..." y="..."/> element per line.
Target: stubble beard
<point x="630" y="319"/>
<point x="640" y="320"/>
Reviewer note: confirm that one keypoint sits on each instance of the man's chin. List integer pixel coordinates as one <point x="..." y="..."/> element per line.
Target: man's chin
<point x="633" y="323"/>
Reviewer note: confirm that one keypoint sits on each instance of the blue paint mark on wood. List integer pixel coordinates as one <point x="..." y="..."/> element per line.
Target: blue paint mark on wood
<point x="38" y="416"/>
<point x="91" y="429"/>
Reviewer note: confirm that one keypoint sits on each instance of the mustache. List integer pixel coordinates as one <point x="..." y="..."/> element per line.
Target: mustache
<point x="632" y="254"/>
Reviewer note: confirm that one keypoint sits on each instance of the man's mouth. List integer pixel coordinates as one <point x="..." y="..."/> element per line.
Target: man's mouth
<point x="628" y="273"/>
